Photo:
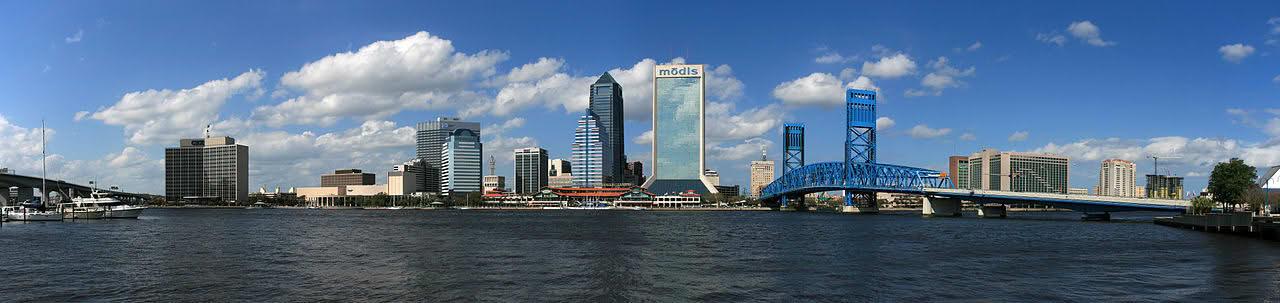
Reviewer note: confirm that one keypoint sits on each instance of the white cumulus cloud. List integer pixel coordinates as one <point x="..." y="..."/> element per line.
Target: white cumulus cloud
<point x="420" y="71"/>
<point x="1019" y="136"/>
<point x="922" y="131"/>
<point x="155" y="116"/>
<point x="1235" y="53"/>
<point x="889" y="67"/>
<point x="1089" y="33"/>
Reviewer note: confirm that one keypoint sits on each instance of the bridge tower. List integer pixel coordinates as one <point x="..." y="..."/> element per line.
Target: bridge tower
<point x="792" y="152"/>
<point x="860" y="143"/>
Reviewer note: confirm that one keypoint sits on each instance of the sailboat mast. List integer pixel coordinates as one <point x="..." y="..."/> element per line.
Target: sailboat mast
<point x="44" y="169"/>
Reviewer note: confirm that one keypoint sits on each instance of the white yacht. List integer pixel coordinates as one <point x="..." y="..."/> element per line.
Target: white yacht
<point x="82" y="209"/>
<point x="110" y="207"/>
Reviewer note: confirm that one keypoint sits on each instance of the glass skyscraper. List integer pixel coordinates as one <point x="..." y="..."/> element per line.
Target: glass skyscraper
<point x="431" y="136"/>
<point x="606" y="103"/>
<point x="589" y="148"/>
<point x="460" y="163"/>
<point x="678" y="98"/>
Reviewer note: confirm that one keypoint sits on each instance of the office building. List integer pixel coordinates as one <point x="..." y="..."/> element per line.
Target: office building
<point x="460" y="163"/>
<point x="531" y="170"/>
<point x="559" y="173"/>
<point x="403" y="179"/>
<point x="712" y="176"/>
<point x="990" y="169"/>
<point x="588" y="152"/>
<point x="678" y="136"/>
<point x="431" y="136"/>
<point x="761" y="175"/>
<point x="347" y="177"/>
<point x="729" y="191"/>
<point x="1164" y="187"/>
<point x="1117" y="178"/>
<point x="494" y="183"/>
<point x="634" y="172"/>
<point x="958" y="171"/>
<point x="208" y="170"/>
<point x="606" y="103"/>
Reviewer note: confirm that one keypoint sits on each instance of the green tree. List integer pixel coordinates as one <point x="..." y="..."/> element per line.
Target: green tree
<point x="1230" y="181"/>
<point x="1201" y="205"/>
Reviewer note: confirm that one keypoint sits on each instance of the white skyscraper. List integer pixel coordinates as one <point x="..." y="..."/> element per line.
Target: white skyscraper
<point x="1117" y="178"/>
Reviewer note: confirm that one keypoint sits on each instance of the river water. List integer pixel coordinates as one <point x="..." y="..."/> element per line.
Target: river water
<point x="504" y="256"/>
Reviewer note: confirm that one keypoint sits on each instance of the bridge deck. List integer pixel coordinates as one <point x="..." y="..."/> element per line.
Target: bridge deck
<point x="1085" y="202"/>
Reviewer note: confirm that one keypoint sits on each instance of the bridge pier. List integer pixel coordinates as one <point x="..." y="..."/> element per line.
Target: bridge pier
<point x="941" y="207"/>
<point x="1106" y="216"/>
<point x="993" y="211"/>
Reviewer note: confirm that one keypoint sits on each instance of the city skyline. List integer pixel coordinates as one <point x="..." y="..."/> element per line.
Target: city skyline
<point x="279" y="93"/>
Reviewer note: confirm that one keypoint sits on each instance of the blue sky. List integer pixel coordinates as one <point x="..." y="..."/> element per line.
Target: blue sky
<point x="117" y="82"/>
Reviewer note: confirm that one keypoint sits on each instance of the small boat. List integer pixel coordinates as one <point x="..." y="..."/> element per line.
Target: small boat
<point x="24" y="213"/>
<point x="259" y="205"/>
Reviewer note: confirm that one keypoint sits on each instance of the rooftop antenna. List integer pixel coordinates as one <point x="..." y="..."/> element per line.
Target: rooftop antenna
<point x="763" y="154"/>
<point x="492" y="167"/>
<point x="207" y="128"/>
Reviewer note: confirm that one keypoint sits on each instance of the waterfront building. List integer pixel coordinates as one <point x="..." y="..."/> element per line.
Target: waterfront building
<point x="991" y="169"/>
<point x="347" y="177"/>
<point x="678" y="130"/>
<point x="431" y="136"/>
<point x="559" y="174"/>
<point x="606" y="103"/>
<point x="589" y="151"/>
<point x="712" y="176"/>
<point x="729" y="191"/>
<point x="460" y="163"/>
<point x="208" y="170"/>
<point x="494" y="183"/>
<point x="761" y="174"/>
<point x="1164" y="187"/>
<point x="1117" y="178"/>
<point x="1077" y="191"/>
<point x="408" y="175"/>
<point x="958" y="170"/>
<point x="531" y="170"/>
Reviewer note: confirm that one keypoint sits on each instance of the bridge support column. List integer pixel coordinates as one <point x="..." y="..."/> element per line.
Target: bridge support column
<point x="993" y="211"/>
<point x="860" y="203"/>
<point x="941" y="207"/>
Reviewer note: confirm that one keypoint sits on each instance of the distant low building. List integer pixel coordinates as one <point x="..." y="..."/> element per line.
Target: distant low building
<point x="1077" y="191"/>
<point x="729" y="191"/>
<point x="349" y="176"/>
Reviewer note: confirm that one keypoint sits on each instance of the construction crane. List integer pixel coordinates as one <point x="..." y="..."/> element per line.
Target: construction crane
<point x="1155" y="167"/>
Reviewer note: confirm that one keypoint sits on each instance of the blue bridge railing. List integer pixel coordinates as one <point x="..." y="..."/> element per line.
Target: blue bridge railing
<point x="829" y="176"/>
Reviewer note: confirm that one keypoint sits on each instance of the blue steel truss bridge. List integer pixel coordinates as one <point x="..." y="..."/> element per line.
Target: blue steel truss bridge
<point x="860" y="176"/>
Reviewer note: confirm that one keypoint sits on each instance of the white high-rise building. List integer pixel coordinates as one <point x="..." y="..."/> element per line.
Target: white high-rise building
<point x="1117" y="178"/>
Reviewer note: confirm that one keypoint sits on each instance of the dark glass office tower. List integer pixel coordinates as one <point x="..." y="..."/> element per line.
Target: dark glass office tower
<point x="606" y="102"/>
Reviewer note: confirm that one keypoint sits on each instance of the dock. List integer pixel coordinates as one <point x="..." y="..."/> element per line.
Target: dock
<point x="1237" y="222"/>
